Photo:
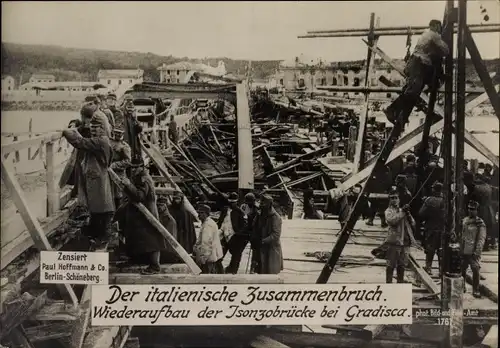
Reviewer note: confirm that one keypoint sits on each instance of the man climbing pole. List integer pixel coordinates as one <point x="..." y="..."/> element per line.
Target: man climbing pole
<point x="420" y="70"/>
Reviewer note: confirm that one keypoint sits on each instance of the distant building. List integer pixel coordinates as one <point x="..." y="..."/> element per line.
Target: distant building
<point x="42" y="78"/>
<point x="307" y="74"/>
<point x="71" y="86"/>
<point x="115" y="78"/>
<point x="8" y="83"/>
<point x="181" y="72"/>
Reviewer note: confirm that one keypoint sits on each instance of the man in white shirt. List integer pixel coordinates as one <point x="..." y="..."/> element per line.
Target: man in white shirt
<point x="208" y="250"/>
<point x="419" y="70"/>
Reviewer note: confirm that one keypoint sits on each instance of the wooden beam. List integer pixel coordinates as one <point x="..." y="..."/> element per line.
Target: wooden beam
<point x="359" y="158"/>
<point x="57" y="311"/>
<point x="182" y="95"/>
<point x="11" y="250"/>
<point x="19" y="310"/>
<point x="47" y="332"/>
<point x="180" y="251"/>
<point x="132" y="342"/>
<point x="22" y="144"/>
<point x="491" y="338"/>
<point x="424" y="276"/>
<point x="245" y="153"/>
<point x="482" y="71"/>
<point x="129" y="278"/>
<point x="40" y="240"/>
<point x="52" y="187"/>
<point x="79" y="329"/>
<point x="19" y="338"/>
<point x="382" y="89"/>
<point x="103" y="337"/>
<point x="166" y="268"/>
<point x="158" y="161"/>
<point x="266" y="342"/>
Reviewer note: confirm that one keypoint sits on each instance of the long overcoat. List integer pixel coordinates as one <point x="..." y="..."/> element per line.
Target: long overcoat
<point x="271" y="254"/>
<point x="94" y="185"/>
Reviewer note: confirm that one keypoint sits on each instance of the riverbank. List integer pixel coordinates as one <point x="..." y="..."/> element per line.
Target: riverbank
<point x="70" y="105"/>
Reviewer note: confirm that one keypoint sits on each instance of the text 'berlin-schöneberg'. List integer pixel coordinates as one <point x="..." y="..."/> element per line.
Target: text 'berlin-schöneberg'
<point x="254" y="293"/>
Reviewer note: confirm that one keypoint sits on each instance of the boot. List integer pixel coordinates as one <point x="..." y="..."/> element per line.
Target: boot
<point x="383" y="223"/>
<point x="400" y="271"/>
<point x="428" y="263"/>
<point x="475" y="284"/>
<point x="369" y="222"/>
<point x="389" y="271"/>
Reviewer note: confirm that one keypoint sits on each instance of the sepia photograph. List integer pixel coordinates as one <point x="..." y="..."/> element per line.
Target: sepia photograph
<point x="250" y="174"/>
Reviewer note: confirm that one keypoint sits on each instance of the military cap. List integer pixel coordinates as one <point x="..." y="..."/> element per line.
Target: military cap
<point x="473" y="205"/>
<point x="393" y="192"/>
<point x="233" y="197"/>
<point x="162" y="199"/>
<point x="489" y="166"/>
<point x="111" y="96"/>
<point x="266" y="198"/>
<point x="410" y="158"/>
<point x="91" y="98"/>
<point x="249" y="197"/>
<point x="437" y="186"/>
<point x="128" y="97"/>
<point x="87" y="110"/>
<point x="137" y="162"/>
<point x="203" y="208"/>
<point x="118" y="130"/>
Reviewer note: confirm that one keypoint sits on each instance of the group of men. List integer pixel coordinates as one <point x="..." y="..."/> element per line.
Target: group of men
<point x="257" y="224"/>
<point x="407" y="214"/>
<point x="108" y="137"/>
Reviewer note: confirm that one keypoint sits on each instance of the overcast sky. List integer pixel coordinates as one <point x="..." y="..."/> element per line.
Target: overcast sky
<point x="239" y="30"/>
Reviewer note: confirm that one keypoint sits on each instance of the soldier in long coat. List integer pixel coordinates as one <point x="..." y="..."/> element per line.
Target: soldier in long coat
<point x="168" y="221"/>
<point x="120" y="161"/>
<point x="473" y="238"/>
<point x="94" y="185"/>
<point x="143" y="242"/>
<point x="482" y="194"/>
<point x="269" y="226"/>
<point x="432" y="214"/>
<point x="117" y="113"/>
<point x="132" y="127"/>
<point x="186" y="235"/>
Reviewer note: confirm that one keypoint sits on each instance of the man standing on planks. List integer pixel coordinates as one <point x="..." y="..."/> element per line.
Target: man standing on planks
<point x="117" y="113"/>
<point x="186" y="234"/>
<point x="419" y="70"/>
<point x="208" y="250"/>
<point x="132" y="127"/>
<point x="94" y="185"/>
<point x="473" y="238"/>
<point x="432" y="214"/>
<point x="142" y="241"/>
<point x="251" y="211"/>
<point x="168" y="221"/>
<point x="268" y="225"/>
<point x="400" y="238"/>
<point x="234" y="237"/>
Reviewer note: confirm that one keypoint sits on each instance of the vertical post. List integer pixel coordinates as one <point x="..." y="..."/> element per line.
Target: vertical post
<point x="453" y="282"/>
<point x="30" y="129"/>
<point x="16" y="153"/>
<point x="52" y="186"/>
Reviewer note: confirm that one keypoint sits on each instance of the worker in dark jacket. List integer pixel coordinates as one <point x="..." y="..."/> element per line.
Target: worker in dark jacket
<point x="120" y="161"/>
<point x="251" y="211"/>
<point x="168" y="221"/>
<point x="173" y="132"/>
<point x="482" y="194"/>
<point x="117" y="113"/>
<point x="186" y="235"/>
<point x="94" y="185"/>
<point x="234" y="236"/>
<point x="144" y="243"/>
<point x="473" y="238"/>
<point x="419" y="71"/>
<point x="432" y="215"/>
<point x="269" y="225"/>
<point x="132" y="127"/>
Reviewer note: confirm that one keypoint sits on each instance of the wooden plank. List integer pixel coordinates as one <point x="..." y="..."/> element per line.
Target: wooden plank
<point x="360" y="144"/>
<point x="426" y="279"/>
<point x="79" y="328"/>
<point x="170" y="268"/>
<point x="24" y="241"/>
<point x="132" y="278"/>
<point x="40" y="240"/>
<point x="22" y="144"/>
<point x="245" y="153"/>
<point x="19" y="310"/>
<point x="50" y="331"/>
<point x="491" y="338"/>
<point x="52" y="187"/>
<point x="132" y="342"/>
<point x="158" y="161"/>
<point x="181" y="252"/>
<point x="20" y="339"/>
<point x="68" y="169"/>
<point x="57" y="311"/>
<point x="266" y="342"/>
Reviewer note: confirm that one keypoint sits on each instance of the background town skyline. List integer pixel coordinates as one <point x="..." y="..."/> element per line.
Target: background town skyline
<point x="246" y="30"/>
